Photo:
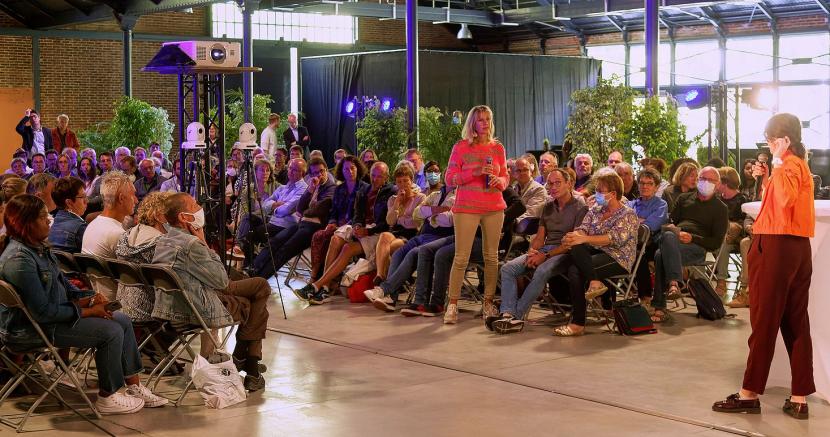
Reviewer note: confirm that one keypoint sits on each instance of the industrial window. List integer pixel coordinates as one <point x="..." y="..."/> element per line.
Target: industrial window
<point x="287" y="26"/>
<point x="613" y="60"/>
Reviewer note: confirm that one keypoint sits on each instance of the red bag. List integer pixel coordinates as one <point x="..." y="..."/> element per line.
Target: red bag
<point x="363" y="283"/>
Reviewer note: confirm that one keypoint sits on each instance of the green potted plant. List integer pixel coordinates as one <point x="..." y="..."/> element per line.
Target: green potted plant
<point x="600" y="119"/>
<point x="137" y="124"/>
<point x="656" y="128"/>
<point x="436" y="135"/>
<point x="386" y="133"/>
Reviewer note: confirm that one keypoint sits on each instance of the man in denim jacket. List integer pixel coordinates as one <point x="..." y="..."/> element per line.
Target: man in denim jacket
<point x="219" y="301"/>
<point x="67" y="232"/>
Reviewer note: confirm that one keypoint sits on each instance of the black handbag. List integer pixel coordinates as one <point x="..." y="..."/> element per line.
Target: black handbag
<point x="631" y="318"/>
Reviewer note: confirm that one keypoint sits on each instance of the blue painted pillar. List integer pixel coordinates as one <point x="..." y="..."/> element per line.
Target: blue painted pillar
<point x="412" y="70"/>
<point x="652" y="44"/>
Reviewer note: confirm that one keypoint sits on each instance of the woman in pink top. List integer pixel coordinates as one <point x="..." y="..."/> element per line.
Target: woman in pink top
<point x="478" y="170"/>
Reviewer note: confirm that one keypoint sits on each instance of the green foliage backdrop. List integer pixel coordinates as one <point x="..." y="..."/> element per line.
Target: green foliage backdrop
<point x="135" y="123"/>
<point x="600" y="118"/>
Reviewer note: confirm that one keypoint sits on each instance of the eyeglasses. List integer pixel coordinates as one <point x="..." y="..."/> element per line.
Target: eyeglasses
<point x="554" y="184"/>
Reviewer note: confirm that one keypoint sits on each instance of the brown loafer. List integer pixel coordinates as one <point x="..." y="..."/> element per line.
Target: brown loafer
<point x="734" y="404"/>
<point x="796" y="409"/>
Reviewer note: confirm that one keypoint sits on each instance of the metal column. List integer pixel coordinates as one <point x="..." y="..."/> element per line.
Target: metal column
<point x="248" y="9"/>
<point x="127" y="23"/>
<point x="652" y="36"/>
<point x="412" y="70"/>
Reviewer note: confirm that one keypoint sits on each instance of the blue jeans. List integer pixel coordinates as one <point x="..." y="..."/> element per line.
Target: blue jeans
<point x="426" y="268"/>
<point x="116" y="351"/>
<point x="404" y="263"/>
<point x="287" y="244"/>
<point x="510" y="301"/>
<point x="669" y="260"/>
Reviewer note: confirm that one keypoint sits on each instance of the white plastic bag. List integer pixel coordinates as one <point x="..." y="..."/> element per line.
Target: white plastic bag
<point x="360" y="267"/>
<point x="219" y="384"/>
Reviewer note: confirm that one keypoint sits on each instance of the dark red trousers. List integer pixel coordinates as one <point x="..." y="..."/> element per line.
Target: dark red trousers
<point x="780" y="267"/>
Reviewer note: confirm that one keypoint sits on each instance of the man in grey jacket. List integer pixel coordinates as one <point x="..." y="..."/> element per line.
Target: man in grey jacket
<point x="217" y="299"/>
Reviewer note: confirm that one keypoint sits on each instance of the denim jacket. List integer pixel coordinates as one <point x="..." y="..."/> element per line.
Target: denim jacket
<point x="67" y="232"/>
<point x="34" y="273"/>
<point x="202" y="275"/>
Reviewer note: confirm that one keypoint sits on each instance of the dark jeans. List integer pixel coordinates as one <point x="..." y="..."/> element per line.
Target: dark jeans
<point x="669" y="261"/>
<point x="443" y="267"/>
<point x="252" y="231"/>
<point x="426" y="268"/>
<point x="116" y="351"/>
<point x="404" y="263"/>
<point x="287" y="244"/>
<point x="643" y="276"/>
<point x="589" y="264"/>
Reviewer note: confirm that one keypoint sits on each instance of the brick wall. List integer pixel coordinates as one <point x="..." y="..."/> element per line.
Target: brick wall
<point x="15" y="62"/>
<point x="393" y="33"/>
<point x="170" y="23"/>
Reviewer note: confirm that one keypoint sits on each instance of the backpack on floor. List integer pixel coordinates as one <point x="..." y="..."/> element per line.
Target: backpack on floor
<point x="709" y="304"/>
<point x="631" y="318"/>
<point x="363" y="283"/>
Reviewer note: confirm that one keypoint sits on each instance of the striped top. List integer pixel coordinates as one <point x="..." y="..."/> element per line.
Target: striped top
<point x="472" y="194"/>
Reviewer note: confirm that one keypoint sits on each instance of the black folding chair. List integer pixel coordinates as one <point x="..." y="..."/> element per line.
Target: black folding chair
<point x="66" y="262"/>
<point x="11" y="300"/>
<point x="92" y="266"/>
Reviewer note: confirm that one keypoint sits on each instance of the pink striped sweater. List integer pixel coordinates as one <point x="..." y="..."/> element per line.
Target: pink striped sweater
<point x="472" y="195"/>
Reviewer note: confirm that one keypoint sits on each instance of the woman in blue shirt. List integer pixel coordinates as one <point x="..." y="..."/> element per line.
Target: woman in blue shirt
<point x="653" y="212"/>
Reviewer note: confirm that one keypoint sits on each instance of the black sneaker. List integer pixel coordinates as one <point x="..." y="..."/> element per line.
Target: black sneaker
<point x="413" y="310"/>
<point x="489" y="320"/>
<point x="240" y="365"/>
<point x="254" y="383"/>
<point x="304" y="293"/>
<point x="508" y="325"/>
<point x="432" y="310"/>
<point x="320" y="297"/>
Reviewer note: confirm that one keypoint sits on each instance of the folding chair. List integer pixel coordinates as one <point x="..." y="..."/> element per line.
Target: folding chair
<point x="165" y="279"/>
<point x="623" y="284"/>
<point x="10" y="299"/>
<point x="129" y="275"/>
<point x="93" y="266"/>
<point x="66" y="262"/>
<point x="706" y="269"/>
<point x="294" y="268"/>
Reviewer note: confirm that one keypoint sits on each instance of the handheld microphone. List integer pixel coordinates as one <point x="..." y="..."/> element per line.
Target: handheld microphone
<point x="488" y="161"/>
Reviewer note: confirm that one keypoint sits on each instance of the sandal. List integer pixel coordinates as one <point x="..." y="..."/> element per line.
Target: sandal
<point x="566" y="331"/>
<point x="673" y="293"/>
<point x="660" y="316"/>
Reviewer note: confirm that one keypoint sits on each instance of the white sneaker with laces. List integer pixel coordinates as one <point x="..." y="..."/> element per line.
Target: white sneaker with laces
<point x="119" y="403"/>
<point x="373" y="293"/>
<point x="151" y="400"/>
<point x="451" y="315"/>
<point x="52" y="370"/>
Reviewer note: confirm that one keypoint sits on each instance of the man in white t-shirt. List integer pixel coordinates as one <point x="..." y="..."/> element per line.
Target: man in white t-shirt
<point x="268" y="139"/>
<point x="103" y="233"/>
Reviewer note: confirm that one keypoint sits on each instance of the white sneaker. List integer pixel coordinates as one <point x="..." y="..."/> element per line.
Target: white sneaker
<point x="52" y="370"/>
<point x="373" y="293"/>
<point x="151" y="400"/>
<point x="451" y="315"/>
<point x="119" y="403"/>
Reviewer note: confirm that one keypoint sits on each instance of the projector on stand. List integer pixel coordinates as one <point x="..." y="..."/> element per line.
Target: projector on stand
<point x="208" y="53"/>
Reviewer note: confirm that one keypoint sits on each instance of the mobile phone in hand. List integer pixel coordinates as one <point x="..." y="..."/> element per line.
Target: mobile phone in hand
<point x="113" y="306"/>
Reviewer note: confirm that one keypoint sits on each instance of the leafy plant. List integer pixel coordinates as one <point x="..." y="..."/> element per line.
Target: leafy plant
<point x="601" y="118"/>
<point x="436" y="135"/>
<point x="703" y="155"/>
<point x="386" y="133"/>
<point x="137" y="123"/>
<point x="235" y="115"/>
<point x="95" y="136"/>
<point x="656" y="128"/>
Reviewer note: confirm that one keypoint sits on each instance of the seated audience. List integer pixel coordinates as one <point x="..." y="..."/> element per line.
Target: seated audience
<point x="173" y="184"/>
<point x="614" y="158"/>
<point x="140" y="154"/>
<point x="218" y="300"/>
<point x="436" y="214"/>
<point x="339" y="154"/>
<point x="38" y="164"/>
<point x="546" y="256"/>
<point x="700" y="222"/>
<point x="659" y="166"/>
<point x="149" y="180"/>
<point x="63" y="137"/>
<point x="12" y="186"/>
<point x="532" y="193"/>
<point x="281" y="165"/>
<point x="651" y="211"/>
<point x="747" y="181"/>
<point x="67" y="231"/>
<point x="368" y="156"/>
<point x="64" y="167"/>
<point x="535" y="172"/>
<point x="263" y="184"/>
<point x="583" y="164"/>
<point x="350" y="172"/>
<point x="102" y="234"/>
<point x="87" y="173"/>
<point x="18" y="168"/>
<point x="296" y="151"/>
<point x="626" y="173"/>
<point x="313" y="208"/>
<point x="130" y="168"/>
<point x="547" y="162"/>
<point x="729" y="193"/>
<point x="417" y="160"/>
<point x="95" y="201"/>
<point x="138" y="246"/>
<point x="159" y="165"/>
<point x="683" y="181"/>
<point x="119" y="154"/>
<point x="603" y="245"/>
<point x="52" y="161"/>
<point x="90" y="153"/>
<point x="41" y="186"/>
<point x="69" y="316"/>
<point x="432" y="173"/>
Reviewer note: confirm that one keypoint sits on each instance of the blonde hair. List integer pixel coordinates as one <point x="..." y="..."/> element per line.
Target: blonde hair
<point x="468" y="132"/>
<point x="152" y="206"/>
<point x="684" y="171"/>
<point x="730" y="177"/>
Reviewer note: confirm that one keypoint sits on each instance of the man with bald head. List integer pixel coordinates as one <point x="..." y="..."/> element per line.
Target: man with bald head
<point x="699" y="223"/>
<point x="614" y="158"/>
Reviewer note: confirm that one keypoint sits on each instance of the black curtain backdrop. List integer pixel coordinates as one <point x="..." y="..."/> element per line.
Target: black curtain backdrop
<point x="529" y="94"/>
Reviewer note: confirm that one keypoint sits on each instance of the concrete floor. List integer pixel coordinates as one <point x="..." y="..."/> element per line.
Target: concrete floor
<point x="350" y="370"/>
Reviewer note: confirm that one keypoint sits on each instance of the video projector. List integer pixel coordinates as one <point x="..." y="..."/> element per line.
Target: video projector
<point x="197" y="54"/>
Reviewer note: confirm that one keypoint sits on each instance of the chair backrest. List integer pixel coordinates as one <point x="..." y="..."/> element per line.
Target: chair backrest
<point x="161" y="277"/>
<point x="66" y="261"/>
<point x="8" y="296"/>
<point x="527" y="226"/>
<point x="127" y="273"/>
<point x="93" y="266"/>
<point x="643" y="235"/>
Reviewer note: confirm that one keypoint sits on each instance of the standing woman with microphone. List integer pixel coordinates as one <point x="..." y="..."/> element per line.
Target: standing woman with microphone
<point x="478" y="170"/>
<point x="780" y="267"/>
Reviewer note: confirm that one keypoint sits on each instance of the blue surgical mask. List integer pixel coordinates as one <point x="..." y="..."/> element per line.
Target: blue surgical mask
<point x="600" y="199"/>
<point x="456" y="120"/>
<point x="433" y="178"/>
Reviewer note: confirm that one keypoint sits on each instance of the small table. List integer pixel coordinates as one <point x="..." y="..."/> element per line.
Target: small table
<point x="780" y="375"/>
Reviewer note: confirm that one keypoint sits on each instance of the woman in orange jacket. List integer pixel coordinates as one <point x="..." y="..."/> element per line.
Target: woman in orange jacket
<point x="780" y="266"/>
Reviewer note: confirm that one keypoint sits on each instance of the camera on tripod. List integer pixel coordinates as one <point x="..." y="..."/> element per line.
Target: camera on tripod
<point x="195" y="137"/>
<point x="247" y="137"/>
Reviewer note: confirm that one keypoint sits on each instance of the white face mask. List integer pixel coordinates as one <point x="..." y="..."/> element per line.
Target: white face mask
<point x="705" y="188"/>
<point x="198" y="219"/>
<point x="231" y="172"/>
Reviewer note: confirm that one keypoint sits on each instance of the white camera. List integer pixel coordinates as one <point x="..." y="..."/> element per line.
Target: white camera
<point x="195" y="136"/>
<point x="247" y="137"/>
<point x="210" y="53"/>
